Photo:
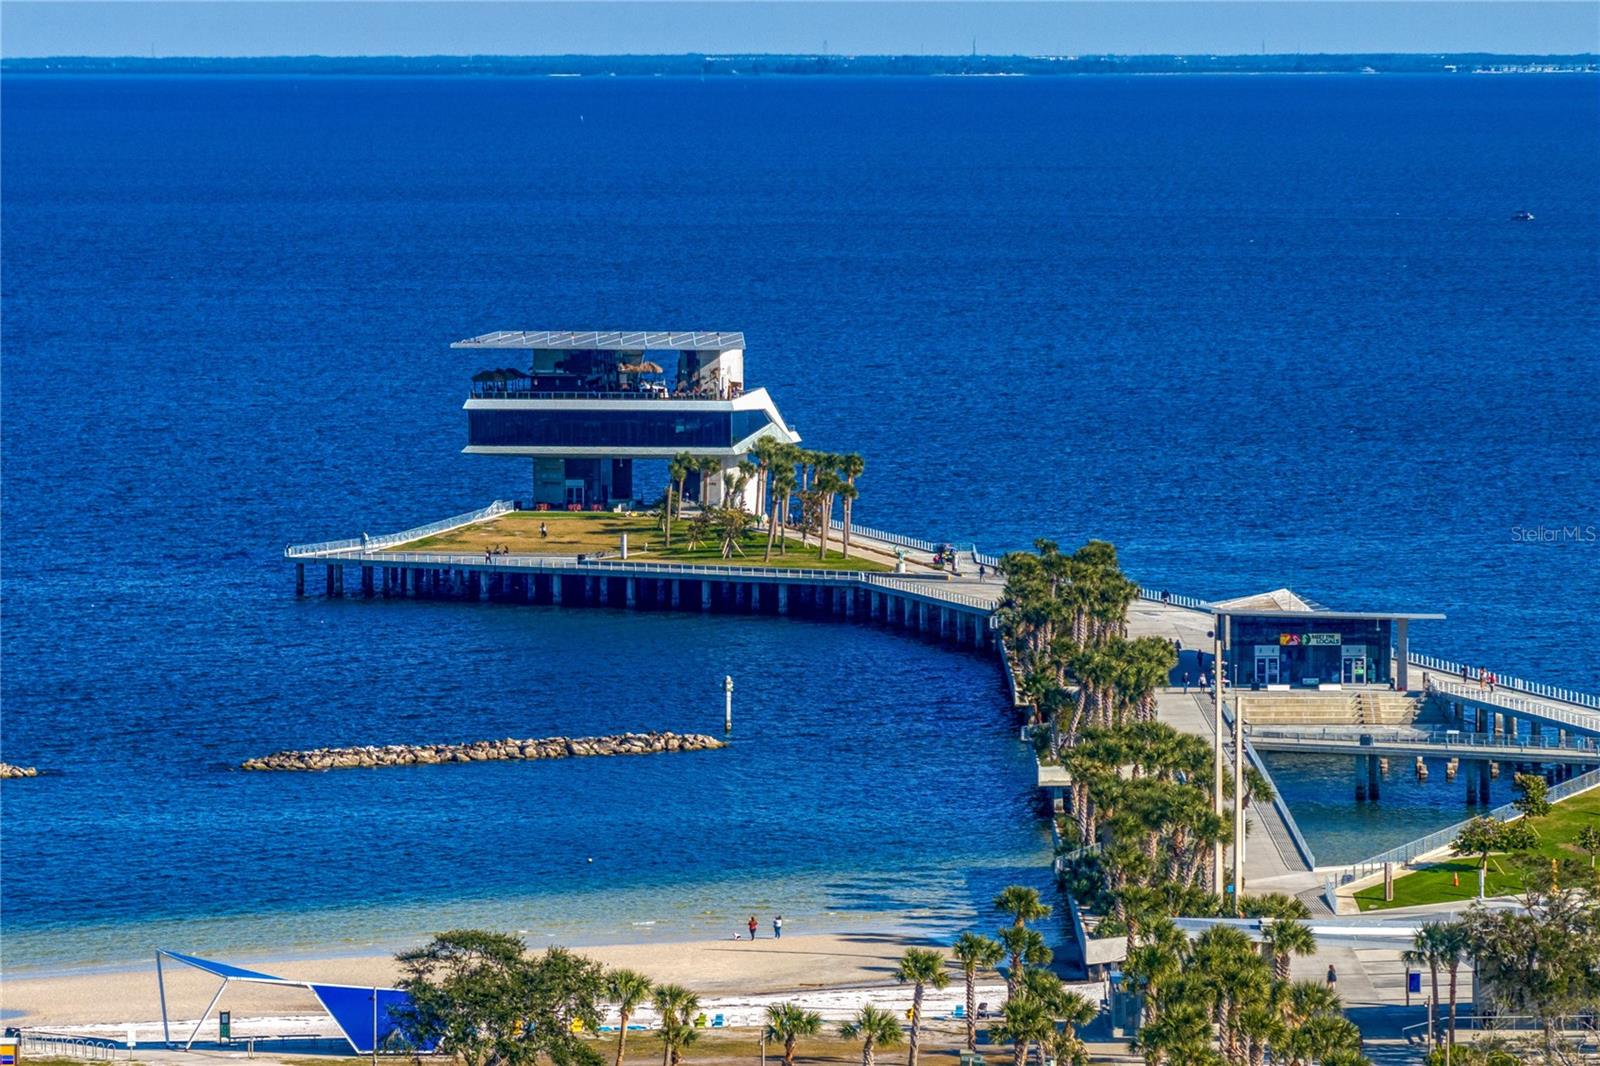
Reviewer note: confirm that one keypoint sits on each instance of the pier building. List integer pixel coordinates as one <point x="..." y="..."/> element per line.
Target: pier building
<point x="1279" y="640"/>
<point x="584" y="407"/>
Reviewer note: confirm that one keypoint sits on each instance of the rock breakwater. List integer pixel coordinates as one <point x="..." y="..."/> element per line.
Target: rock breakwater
<point x="482" y="751"/>
<point x="7" y="770"/>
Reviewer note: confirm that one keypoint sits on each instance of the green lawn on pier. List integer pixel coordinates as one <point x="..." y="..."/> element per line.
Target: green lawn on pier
<point x="1436" y="882"/>
<point x="584" y="532"/>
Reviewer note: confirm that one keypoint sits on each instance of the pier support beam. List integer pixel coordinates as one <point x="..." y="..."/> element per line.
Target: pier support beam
<point x="978" y="629"/>
<point x="1361" y="779"/>
<point x="1372" y="778"/>
<point x="631" y="592"/>
<point x="366" y="582"/>
<point x="922" y="617"/>
<point x="299" y="579"/>
<point x="677" y="592"/>
<point x="705" y="595"/>
<point x="783" y="599"/>
<point x="331" y="587"/>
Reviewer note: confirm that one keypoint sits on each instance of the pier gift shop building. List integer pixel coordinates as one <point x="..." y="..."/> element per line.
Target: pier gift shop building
<point x="1279" y="640"/>
<point x="583" y="407"/>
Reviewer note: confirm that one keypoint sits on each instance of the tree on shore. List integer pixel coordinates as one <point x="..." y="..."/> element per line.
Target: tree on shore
<point x="920" y="968"/>
<point x="1026" y="947"/>
<point x="677" y="1007"/>
<point x="1484" y="835"/>
<point x="1023" y="1023"/>
<point x="481" y="997"/>
<point x="875" y="1028"/>
<point x="783" y="484"/>
<point x="787" y="1023"/>
<point x="629" y="990"/>
<point x="975" y="952"/>
<point x="1023" y="905"/>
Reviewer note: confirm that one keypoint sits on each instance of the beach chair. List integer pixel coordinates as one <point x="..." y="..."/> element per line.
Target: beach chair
<point x="717" y="1022"/>
<point x="960" y="1011"/>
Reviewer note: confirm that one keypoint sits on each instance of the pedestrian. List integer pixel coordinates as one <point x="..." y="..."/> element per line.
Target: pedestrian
<point x="982" y="571"/>
<point x="1186" y="681"/>
<point x="544" y="530"/>
<point x="1333" y="978"/>
<point x="752" y="924"/>
<point x="487" y="555"/>
<point x="777" y="928"/>
<point x="1205" y="682"/>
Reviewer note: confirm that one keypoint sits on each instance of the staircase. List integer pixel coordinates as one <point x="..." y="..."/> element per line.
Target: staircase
<point x="1369" y="707"/>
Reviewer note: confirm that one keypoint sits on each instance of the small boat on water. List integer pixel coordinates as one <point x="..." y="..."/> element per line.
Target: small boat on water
<point x="1522" y="216"/>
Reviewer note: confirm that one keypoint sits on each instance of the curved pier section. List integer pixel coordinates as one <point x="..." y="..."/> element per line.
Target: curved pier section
<point x="482" y="751"/>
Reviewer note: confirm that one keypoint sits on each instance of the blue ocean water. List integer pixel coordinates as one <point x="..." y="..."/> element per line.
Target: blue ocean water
<point x="1257" y="331"/>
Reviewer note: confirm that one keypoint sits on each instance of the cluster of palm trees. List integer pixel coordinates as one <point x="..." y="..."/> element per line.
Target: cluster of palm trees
<point x="786" y="474"/>
<point x="782" y="475"/>
<point x="1441" y="946"/>
<point x="1220" y="1000"/>
<point x="1142" y="820"/>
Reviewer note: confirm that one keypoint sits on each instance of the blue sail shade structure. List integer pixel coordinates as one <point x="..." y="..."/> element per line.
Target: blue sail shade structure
<point x="365" y="1016"/>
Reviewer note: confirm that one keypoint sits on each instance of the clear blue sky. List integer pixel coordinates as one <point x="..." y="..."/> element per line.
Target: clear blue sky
<point x="431" y="27"/>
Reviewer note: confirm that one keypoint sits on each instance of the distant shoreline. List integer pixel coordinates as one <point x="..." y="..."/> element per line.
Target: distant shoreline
<point x="811" y="66"/>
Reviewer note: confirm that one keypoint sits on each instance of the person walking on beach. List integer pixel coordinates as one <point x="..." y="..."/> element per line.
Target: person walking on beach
<point x="752" y="927"/>
<point x="777" y="928"/>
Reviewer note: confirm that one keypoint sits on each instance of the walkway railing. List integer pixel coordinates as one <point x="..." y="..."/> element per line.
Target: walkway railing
<point x="1498" y="697"/>
<point x="329" y="547"/>
<point x="1280" y="806"/>
<point x="1194" y="603"/>
<point x="1517" y="684"/>
<point x="1410" y="850"/>
<point x="1448" y="739"/>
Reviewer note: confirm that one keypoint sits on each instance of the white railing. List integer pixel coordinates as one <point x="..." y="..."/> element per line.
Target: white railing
<point x="1517" y="684"/>
<point x="331" y="547"/>
<point x="66" y="1046"/>
<point x="1523" y="704"/>
<point x="1279" y="804"/>
<point x="1194" y="603"/>
<point x="1446" y="836"/>
<point x="1445" y="739"/>
<point x="898" y="539"/>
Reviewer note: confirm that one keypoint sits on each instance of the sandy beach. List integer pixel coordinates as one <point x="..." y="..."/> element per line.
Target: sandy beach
<point x="831" y="973"/>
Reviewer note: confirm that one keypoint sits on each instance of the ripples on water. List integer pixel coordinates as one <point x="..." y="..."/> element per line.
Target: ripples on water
<point x="1030" y="305"/>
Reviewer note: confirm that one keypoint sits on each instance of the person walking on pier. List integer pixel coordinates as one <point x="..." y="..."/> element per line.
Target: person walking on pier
<point x="544" y="530"/>
<point x="1186" y="681"/>
<point x="1333" y="978"/>
<point x="752" y="924"/>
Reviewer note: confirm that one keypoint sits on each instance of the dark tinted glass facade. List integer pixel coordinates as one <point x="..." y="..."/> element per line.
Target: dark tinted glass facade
<point x="1294" y="651"/>
<point x="612" y="429"/>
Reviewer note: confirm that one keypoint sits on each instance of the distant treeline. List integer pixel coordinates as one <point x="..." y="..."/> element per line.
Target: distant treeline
<point x="758" y="65"/>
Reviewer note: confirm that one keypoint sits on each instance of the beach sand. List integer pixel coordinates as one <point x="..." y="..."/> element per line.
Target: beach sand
<point x="721" y="968"/>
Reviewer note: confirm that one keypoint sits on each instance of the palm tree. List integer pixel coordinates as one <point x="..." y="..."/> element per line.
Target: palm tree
<point x="1023" y="1021"/>
<point x="1026" y="948"/>
<point x="628" y="989"/>
<point x="1022" y="903"/>
<point x="851" y="467"/>
<point x="677" y="1006"/>
<point x="783" y="484"/>
<point x="875" y="1028"/>
<point x="1071" y="1013"/>
<point x="709" y="466"/>
<point x="920" y="968"/>
<point x="975" y="952"/>
<point x="1452" y="946"/>
<point x="680" y="467"/>
<point x="1428" y="949"/>
<point x="826" y="486"/>
<point x="788" y="1022"/>
<point x="1283" y="938"/>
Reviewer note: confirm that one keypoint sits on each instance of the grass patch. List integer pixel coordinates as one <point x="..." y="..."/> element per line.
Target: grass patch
<point x="582" y="532"/>
<point x="1435" y="882"/>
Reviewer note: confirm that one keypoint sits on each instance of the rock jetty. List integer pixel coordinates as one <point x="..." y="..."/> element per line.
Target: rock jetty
<point x="482" y="751"/>
<point x="7" y="770"/>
